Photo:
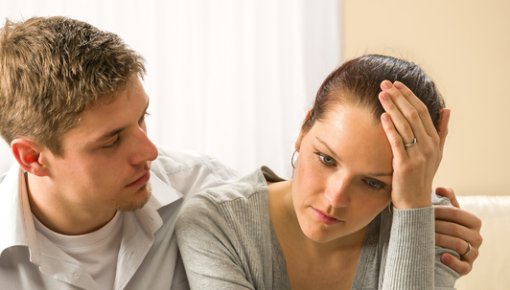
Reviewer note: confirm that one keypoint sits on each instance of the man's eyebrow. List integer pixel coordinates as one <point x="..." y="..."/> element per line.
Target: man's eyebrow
<point x="373" y="174"/>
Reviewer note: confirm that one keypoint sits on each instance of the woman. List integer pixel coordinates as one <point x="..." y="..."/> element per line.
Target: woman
<point x="358" y="212"/>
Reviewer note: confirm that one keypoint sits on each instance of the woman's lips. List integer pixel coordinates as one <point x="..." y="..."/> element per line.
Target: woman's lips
<point x="140" y="181"/>
<point x="324" y="218"/>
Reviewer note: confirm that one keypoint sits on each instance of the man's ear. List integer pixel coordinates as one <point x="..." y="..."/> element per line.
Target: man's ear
<point x="28" y="155"/>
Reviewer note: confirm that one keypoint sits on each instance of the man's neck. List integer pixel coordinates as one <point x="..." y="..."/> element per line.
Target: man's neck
<point x="58" y="214"/>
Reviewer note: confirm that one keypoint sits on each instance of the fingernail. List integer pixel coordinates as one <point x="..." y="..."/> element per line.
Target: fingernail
<point x="386" y="85"/>
<point x="445" y="258"/>
<point x="383" y="97"/>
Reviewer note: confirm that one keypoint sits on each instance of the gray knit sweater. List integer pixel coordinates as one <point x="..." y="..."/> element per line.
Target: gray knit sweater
<point x="227" y="242"/>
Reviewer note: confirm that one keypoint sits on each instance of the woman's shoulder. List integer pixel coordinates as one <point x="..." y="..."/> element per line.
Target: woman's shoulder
<point x="247" y="194"/>
<point x="237" y="211"/>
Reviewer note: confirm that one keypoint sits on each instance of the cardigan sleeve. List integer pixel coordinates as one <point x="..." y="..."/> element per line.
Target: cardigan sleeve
<point x="412" y="260"/>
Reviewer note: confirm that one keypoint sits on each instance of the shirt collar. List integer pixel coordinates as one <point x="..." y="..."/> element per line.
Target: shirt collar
<point x="162" y="194"/>
<point x="15" y="211"/>
<point x="16" y="216"/>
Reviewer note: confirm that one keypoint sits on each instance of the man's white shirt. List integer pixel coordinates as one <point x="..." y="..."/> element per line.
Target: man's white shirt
<point x="147" y="256"/>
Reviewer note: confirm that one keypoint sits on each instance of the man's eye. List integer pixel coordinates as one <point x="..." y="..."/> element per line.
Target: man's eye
<point x="374" y="184"/>
<point x="326" y="159"/>
<point x="142" y="119"/>
<point x="112" y="143"/>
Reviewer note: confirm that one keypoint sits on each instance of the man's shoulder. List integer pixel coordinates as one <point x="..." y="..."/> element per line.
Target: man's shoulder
<point x="188" y="171"/>
<point x="242" y="191"/>
<point x="171" y="161"/>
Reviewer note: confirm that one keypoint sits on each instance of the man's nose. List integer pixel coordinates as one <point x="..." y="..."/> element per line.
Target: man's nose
<point x="145" y="150"/>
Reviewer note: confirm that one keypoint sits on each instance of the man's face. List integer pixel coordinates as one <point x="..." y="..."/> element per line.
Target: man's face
<point x="106" y="157"/>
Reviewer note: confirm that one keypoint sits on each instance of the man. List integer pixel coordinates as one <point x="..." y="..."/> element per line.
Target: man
<point x="78" y="210"/>
<point x="91" y="202"/>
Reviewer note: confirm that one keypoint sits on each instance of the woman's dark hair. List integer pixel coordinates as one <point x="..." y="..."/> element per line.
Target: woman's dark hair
<point x="359" y="81"/>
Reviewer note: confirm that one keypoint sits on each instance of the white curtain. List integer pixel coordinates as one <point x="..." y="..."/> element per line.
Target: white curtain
<point x="229" y="78"/>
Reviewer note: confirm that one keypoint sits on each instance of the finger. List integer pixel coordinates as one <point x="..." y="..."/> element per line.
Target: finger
<point x="448" y="193"/>
<point x="451" y="242"/>
<point x="420" y="107"/>
<point x="442" y="126"/>
<point x="466" y="253"/>
<point x="469" y="256"/>
<point x="408" y="116"/>
<point x="457" y="216"/>
<point x="395" y="139"/>
<point x="458" y="235"/>
<point x="456" y="264"/>
<point x="393" y="105"/>
<point x="400" y="122"/>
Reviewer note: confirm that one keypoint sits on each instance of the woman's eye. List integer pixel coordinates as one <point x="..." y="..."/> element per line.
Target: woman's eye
<point x="326" y="160"/>
<point x="374" y="184"/>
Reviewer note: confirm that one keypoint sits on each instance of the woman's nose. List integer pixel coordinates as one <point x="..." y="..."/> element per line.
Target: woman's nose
<point x="336" y="193"/>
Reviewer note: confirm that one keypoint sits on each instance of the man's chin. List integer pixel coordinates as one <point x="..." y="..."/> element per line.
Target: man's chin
<point x="143" y="197"/>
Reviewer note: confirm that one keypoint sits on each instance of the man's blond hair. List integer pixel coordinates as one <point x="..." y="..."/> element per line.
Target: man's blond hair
<point x="52" y="69"/>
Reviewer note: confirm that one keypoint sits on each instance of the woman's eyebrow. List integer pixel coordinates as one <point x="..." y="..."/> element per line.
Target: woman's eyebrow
<point x="334" y="155"/>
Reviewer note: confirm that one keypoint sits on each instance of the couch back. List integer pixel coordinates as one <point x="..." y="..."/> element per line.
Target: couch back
<point x="491" y="270"/>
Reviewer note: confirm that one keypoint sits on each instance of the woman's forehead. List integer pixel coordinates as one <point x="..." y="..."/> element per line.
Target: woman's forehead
<point x="352" y="133"/>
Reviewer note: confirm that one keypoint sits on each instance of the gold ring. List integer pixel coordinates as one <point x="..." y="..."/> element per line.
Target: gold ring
<point x="409" y="144"/>
<point x="468" y="250"/>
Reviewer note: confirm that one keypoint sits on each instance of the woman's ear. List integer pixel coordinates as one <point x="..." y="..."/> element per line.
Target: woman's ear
<point x="28" y="155"/>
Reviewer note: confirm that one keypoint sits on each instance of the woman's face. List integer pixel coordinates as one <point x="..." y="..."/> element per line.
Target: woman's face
<point x="343" y="174"/>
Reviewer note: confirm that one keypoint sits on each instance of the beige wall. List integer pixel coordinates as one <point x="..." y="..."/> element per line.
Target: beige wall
<point x="465" y="46"/>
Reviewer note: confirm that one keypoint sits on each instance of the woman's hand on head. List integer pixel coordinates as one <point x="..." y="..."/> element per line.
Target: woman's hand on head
<point x="417" y="145"/>
<point x="455" y="228"/>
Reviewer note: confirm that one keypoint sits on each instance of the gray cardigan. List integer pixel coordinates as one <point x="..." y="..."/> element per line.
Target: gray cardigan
<point x="227" y="242"/>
